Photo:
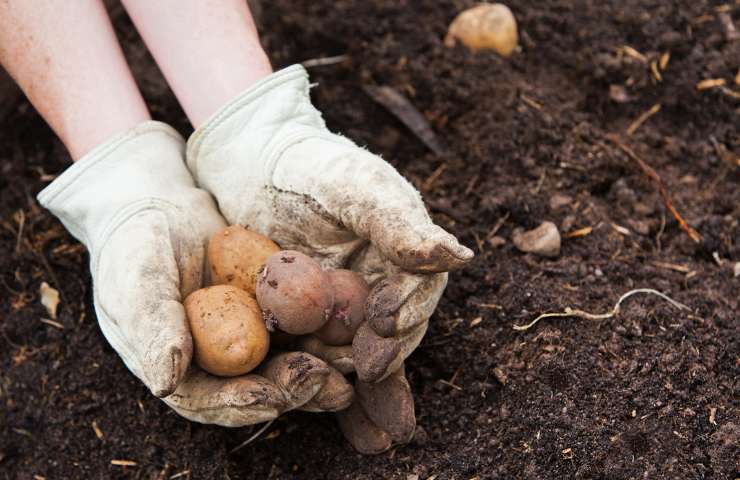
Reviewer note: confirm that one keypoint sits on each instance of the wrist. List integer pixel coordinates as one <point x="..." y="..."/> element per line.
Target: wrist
<point x="142" y="162"/>
<point x="247" y="125"/>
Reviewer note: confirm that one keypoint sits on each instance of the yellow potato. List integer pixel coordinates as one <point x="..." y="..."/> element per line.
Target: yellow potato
<point x="235" y="256"/>
<point x="485" y="26"/>
<point x="229" y="334"/>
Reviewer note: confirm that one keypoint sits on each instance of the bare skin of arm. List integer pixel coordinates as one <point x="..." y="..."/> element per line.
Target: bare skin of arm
<point x="65" y="57"/>
<point x="209" y="51"/>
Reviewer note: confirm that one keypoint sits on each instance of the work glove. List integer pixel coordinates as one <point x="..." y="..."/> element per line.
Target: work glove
<point x="273" y="167"/>
<point x="134" y="205"/>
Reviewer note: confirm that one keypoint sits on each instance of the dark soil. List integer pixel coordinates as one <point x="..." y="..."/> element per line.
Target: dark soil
<point x="652" y="393"/>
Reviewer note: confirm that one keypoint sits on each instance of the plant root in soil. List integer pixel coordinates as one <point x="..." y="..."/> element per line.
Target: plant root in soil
<point x="570" y="312"/>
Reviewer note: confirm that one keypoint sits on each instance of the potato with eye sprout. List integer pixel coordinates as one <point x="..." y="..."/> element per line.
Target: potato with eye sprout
<point x="294" y="293"/>
<point x="350" y="293"/>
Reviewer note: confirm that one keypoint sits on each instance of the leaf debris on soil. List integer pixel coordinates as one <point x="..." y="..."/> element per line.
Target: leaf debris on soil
<point x="642" y="119"/>
<point x="407" y="113"/>
<point x="49" y="299"/>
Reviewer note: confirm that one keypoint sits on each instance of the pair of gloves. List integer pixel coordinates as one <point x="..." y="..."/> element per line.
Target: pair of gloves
<point x="271" y="165"/>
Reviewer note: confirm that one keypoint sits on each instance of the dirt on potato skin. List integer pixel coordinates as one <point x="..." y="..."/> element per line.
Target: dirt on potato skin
<point x="651" y="393"/>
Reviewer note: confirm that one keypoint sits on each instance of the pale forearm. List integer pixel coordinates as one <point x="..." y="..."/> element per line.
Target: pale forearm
<point x="65" y="57"/>
<point x="209" y="51"/>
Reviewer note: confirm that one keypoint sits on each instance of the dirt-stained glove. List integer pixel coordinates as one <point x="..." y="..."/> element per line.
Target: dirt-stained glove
<point x="134" y="205"/>
<point x="272" y="165"/>
<point x="381" y="414"/>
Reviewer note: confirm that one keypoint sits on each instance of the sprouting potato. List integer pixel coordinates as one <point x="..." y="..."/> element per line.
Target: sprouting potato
<point x="294" y="293"/>
<point x="236" y="255"/>
<point x="229" y="334"/>
<point x="350" y="293"/>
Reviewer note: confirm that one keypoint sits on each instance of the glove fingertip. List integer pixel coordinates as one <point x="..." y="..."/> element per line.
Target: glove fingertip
<point x="366" y="437"/>
<point x="373" y="354"/>
<point x="436" y="255"/>
<point x="170" y="368"/>
<point x="390" y="405"/>
<point x="337" y="394"/>
<point x="299" y="376"/>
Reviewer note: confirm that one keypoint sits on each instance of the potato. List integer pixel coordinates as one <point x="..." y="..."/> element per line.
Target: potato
<point x="350" y="293"/>
<point x="485" y="26"/>
<point x="294" y="293"/>
<point x="236" y="255"/>
<point x="229" y="334"/>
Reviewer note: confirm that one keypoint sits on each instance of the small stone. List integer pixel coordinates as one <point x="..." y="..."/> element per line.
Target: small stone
<point x="736" y="270"/>
<point x="619" y="94"/>
<point x="559" y="201"/>
<point x="543" y="240"/>
<point x="496" y="242"/>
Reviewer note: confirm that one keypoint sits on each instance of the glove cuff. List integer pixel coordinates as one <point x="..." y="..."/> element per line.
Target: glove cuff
<point x="279" y="103"/>
<point x="113" y="175"/>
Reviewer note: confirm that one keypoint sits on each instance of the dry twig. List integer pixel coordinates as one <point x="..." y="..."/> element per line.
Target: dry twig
<point x="570" y="312"/>
<point x="253" y="437"/>
<point x="407" y="113"/>
<point x="323" y="61"/>
<point x="642" y="119"/>
<point x="653" y="175"/>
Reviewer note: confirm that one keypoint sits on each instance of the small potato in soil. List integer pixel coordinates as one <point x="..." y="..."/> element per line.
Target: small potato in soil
<point x="485" y="26"/>
<point x="236" y="255"/>
<point x="229" y="335"/>
<point x="294" y="292"/>
<point x="350" y="293"/>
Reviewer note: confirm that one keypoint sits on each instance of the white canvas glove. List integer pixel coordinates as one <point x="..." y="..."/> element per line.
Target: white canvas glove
<point x="134" y="205"/>
<point x="272" y="165"/>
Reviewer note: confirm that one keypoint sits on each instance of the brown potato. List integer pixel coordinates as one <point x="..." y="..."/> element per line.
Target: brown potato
<point x="229" y="334"/>
<point x="294" y="293"/>
<point x="350" y="293"/>
<point x="236" y="255"/>
<point x="485" y="26"/>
